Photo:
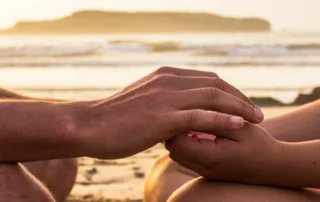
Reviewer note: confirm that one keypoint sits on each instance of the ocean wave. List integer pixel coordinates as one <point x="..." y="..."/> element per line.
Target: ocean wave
<point x="165" y="46"/>
<point x="46" y="51"/>
<point x="254" y="51"/>
<point x="124" y="41"/>
<point x="222" y="50"/>
<point x="216" y="52"/>
<point x="312" y="46"/>
<point x="88" y="49"/>
<point x="54" y="63"/>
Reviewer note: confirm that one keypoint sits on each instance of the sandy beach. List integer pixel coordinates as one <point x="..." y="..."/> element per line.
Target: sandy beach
<point x="90" y="50"/>
<point x="122" y="180"/>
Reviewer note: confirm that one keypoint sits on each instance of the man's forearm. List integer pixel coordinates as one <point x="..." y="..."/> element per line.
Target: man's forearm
<point x="297" y="126"/>
<point x="33" y="130"/>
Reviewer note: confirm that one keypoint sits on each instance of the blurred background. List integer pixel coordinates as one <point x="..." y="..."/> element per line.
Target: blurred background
<point x="78" y="49"/>
<point x="89" y="49"/>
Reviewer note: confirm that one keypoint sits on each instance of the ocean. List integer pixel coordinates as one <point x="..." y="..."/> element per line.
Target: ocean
<point x="277" y="64"/>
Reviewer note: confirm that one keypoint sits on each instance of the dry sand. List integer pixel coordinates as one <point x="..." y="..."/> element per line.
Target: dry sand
<point x="122" y="180"/>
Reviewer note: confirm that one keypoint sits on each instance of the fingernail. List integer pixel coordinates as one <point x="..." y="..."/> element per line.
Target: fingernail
<point x="237" y="121"/>
<point x="258" y="114"/>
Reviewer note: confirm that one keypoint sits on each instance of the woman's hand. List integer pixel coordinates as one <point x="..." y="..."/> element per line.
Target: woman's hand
<point x="246" y="155"/>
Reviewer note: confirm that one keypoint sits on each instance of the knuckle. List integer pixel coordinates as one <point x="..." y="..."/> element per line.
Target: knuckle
<point x="211" y="93"/>
<point x="216" y="118"/>
<point x="212" y="74"/>
<point x="218" y="83"/>
<point x="193" y="116"/>
<point x="158" y="93"/>
<point x="155" y="95"/>
<point x="244" y="108"/>
<point x="245" y="105"/>
<point x="165" y="70"/>
<point x="153" y="117"/>
<point x="164" y="80"/>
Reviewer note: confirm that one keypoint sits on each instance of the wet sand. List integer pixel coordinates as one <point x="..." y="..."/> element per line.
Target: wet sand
<point x="122" y="180"/>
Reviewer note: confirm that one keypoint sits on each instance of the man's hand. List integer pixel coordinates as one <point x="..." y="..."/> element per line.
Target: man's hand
<point x="166" y="103"/>
<point x="196" y="79"/>
<point x="247" y="155"/>
<point x="160" y="106"/>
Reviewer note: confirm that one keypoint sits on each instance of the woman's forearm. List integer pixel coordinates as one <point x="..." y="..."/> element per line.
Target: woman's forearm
<point x="33" y="130"/>
<point x="297" y="126"/>
<point x="300" y="165"/>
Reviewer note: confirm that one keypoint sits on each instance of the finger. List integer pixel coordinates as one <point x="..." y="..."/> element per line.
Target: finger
<point x="215" y="99"/>
<point x="188" y="82"/>
<point x="248" y="131"/>
<point x="224" y="86"/>
<point x="173" y="71"/>
<point x="199" y="152"/>
<point x="184" y="72"/>
<point x="203" y="121"/>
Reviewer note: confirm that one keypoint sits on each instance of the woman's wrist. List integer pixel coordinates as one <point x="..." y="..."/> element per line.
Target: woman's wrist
<point x="285" y="166"/>
<point x="276" y="162"/>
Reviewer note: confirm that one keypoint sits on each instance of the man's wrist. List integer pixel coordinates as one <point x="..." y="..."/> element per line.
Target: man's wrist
<point x="77" y="120"/>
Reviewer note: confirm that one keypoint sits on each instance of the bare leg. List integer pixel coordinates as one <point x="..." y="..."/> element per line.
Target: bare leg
<point x="209" y="191"/>
<point x="57" y="175"/>
<point x="167" y="181"/>
<point x="18" y="185"/>
<point x="164" y="178"/>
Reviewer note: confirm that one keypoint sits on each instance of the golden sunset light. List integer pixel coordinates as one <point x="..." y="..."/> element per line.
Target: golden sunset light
<point x="159" y="100"/>
<point x="284" y="14"/>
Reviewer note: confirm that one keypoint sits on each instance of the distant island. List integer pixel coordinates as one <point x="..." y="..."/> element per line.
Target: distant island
<point x="103" y="22"/>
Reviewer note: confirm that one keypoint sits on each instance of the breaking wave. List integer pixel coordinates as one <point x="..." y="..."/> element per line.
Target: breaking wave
<point x="135" y="46"/>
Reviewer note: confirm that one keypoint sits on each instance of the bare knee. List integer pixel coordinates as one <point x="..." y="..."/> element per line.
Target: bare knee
<point x="58" y="175"/>
<point x="210" y="191"/>
<point x="163" y="179"/>
<point x="18" y="185"/>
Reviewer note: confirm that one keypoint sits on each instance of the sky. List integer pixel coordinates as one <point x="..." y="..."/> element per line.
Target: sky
<point x="300" y="15"/>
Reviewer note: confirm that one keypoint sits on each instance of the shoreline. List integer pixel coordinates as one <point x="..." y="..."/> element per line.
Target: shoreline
<point x="263" y="101"/>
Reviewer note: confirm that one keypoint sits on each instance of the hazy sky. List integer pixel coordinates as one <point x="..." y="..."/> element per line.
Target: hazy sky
<point x="288" y="14"/>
